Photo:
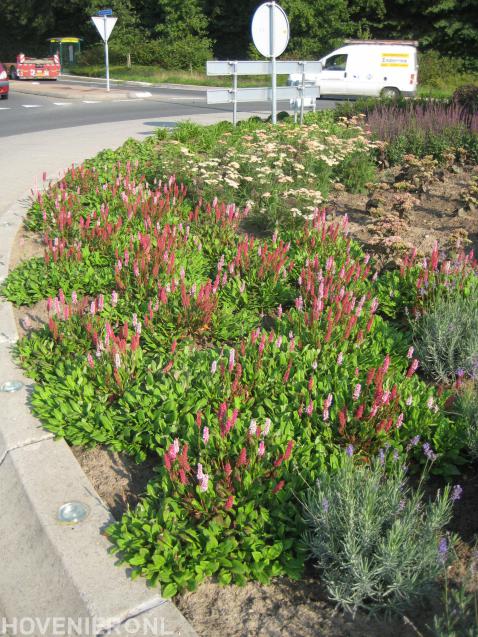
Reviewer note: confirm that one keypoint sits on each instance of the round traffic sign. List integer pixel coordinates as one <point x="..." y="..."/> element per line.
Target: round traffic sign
<point x="270" y="17"/>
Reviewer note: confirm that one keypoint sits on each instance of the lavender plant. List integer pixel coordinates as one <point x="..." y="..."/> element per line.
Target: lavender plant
<point x="377" y="543"/>
<point x="466" y="406"/>
<point x="446" y="337"/>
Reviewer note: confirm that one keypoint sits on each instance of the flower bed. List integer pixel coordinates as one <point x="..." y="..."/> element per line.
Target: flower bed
<point x="247" y="346"/>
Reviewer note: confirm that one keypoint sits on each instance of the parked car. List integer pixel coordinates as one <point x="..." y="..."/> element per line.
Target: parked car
<point x="4" y="85"/>
<point x="386" y="68"/>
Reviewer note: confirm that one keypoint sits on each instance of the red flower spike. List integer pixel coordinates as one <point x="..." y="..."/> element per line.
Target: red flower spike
<point x="342" y="420"/>
<point x="288" y="451"/>
<point x="278" y="486"/>
<point x="242" y="460"/>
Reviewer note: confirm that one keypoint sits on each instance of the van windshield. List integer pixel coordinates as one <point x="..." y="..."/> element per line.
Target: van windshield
<point x="336" y="62"/>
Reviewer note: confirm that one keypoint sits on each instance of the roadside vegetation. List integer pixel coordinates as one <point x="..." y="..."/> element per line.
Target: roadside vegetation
<point x="156" y="75"/>
<point x="439" y="76"/>
<point x="208" y="312"/>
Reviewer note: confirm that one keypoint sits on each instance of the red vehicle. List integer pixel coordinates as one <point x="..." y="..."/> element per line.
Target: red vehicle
<point x="27" y="68"/>
<point x="4" y="86"/>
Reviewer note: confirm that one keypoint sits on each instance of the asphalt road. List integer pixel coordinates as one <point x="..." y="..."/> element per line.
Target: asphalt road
<point x="28" y="113"/>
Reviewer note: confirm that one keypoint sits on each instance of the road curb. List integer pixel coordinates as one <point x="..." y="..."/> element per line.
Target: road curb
<point x="186" y="87"/>
<point x="74" y="93"/>
<point x="57" y="571"/>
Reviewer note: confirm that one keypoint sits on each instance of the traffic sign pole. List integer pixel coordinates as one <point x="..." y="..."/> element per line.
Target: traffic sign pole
<point x="273" y="61"/>
<point x="105" y="23"/>
<point x="107" y="59"/>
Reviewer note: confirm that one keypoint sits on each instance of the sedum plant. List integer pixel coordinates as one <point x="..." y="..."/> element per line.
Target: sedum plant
<point x="376" y="541"/>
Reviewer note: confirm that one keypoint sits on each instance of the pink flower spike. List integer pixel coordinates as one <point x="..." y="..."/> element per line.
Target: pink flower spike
<point x="357" y="391"/>
<point x="200" y="473"/>
<point x="410" y="352"/>
<point x="205" y="435"/>
<point x="261" y="449"/>
<point x="232" y="357"/>
<point x="204" y="482"/>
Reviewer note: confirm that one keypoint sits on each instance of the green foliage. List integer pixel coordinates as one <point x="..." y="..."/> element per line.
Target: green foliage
<point x="375" y="540"/>
<point x="171" y="328"/>
<point x="446" y="336"/>
<point x="467" y="97"/>
<point x="355" y="171"/>
<point x="466" y="408"/>
<point x="215" y="509"/>
<point x="459" y="617"/>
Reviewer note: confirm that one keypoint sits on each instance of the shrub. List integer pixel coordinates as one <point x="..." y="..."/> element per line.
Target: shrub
<point x="446" y="336"/>
<point x="467" y="97"/>
<point x="466" y="405"/>
<point x="188" y="52"/>
<point x="436" y="70"/>
<point x="356" y="170"/>
<point x="459" y="617"/>
<point x="375" y="540"/>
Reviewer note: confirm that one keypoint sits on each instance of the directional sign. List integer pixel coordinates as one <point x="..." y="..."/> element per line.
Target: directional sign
<point x="225" y="96"/>
<point x="105" y="12"/>
<point x="104" y="25"/>
<point x="270" y="30"/>
<point x="260" y="67"/>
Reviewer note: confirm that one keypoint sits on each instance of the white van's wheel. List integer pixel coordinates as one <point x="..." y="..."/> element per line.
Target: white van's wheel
<point x="390" y="93"/>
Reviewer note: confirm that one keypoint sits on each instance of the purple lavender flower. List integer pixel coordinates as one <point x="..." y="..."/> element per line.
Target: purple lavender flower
<point x="349" y="450"/>
<point x="413" y="442"/>
<point x="428" y="451"/>
<point x="442" y="550"/>
<point x="381" y="456"/>
<point x="456" y="493"/>
<point x="325" y="505"/>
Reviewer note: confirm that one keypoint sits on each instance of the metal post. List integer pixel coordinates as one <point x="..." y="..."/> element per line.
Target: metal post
<point x="273" y="62"/>
<point x="302" y="96"/>
<point x="107" y="61"/>
<point x="234" y="92"/>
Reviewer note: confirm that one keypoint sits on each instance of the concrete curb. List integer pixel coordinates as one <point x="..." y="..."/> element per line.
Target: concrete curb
<point x="186" y="87"/>
<point x="58" y="573"/>
<point x="68" y="92"/>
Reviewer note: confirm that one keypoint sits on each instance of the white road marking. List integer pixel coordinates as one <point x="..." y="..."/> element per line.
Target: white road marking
<point x="4" y="108"/>
<point x="132" y="99"/>
<point x="32" y="105"/>
<point x="90" y="101"/>
<point x="62" y="103"/>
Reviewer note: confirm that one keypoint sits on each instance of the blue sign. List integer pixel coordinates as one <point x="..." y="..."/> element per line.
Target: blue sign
<point x="105" y="12"/>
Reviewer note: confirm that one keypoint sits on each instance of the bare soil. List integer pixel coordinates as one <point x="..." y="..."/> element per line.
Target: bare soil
<point x="288" y="608"/>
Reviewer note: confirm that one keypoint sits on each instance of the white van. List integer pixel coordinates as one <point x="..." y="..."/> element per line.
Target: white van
<point x="386" y="68"/>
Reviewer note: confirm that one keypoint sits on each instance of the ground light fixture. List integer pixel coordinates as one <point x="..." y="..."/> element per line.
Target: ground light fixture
<point x="11" y="386"/>
<point x="72" y="512"/>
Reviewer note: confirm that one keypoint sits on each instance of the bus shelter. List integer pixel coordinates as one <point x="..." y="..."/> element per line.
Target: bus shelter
<point x="69" y="48"/>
